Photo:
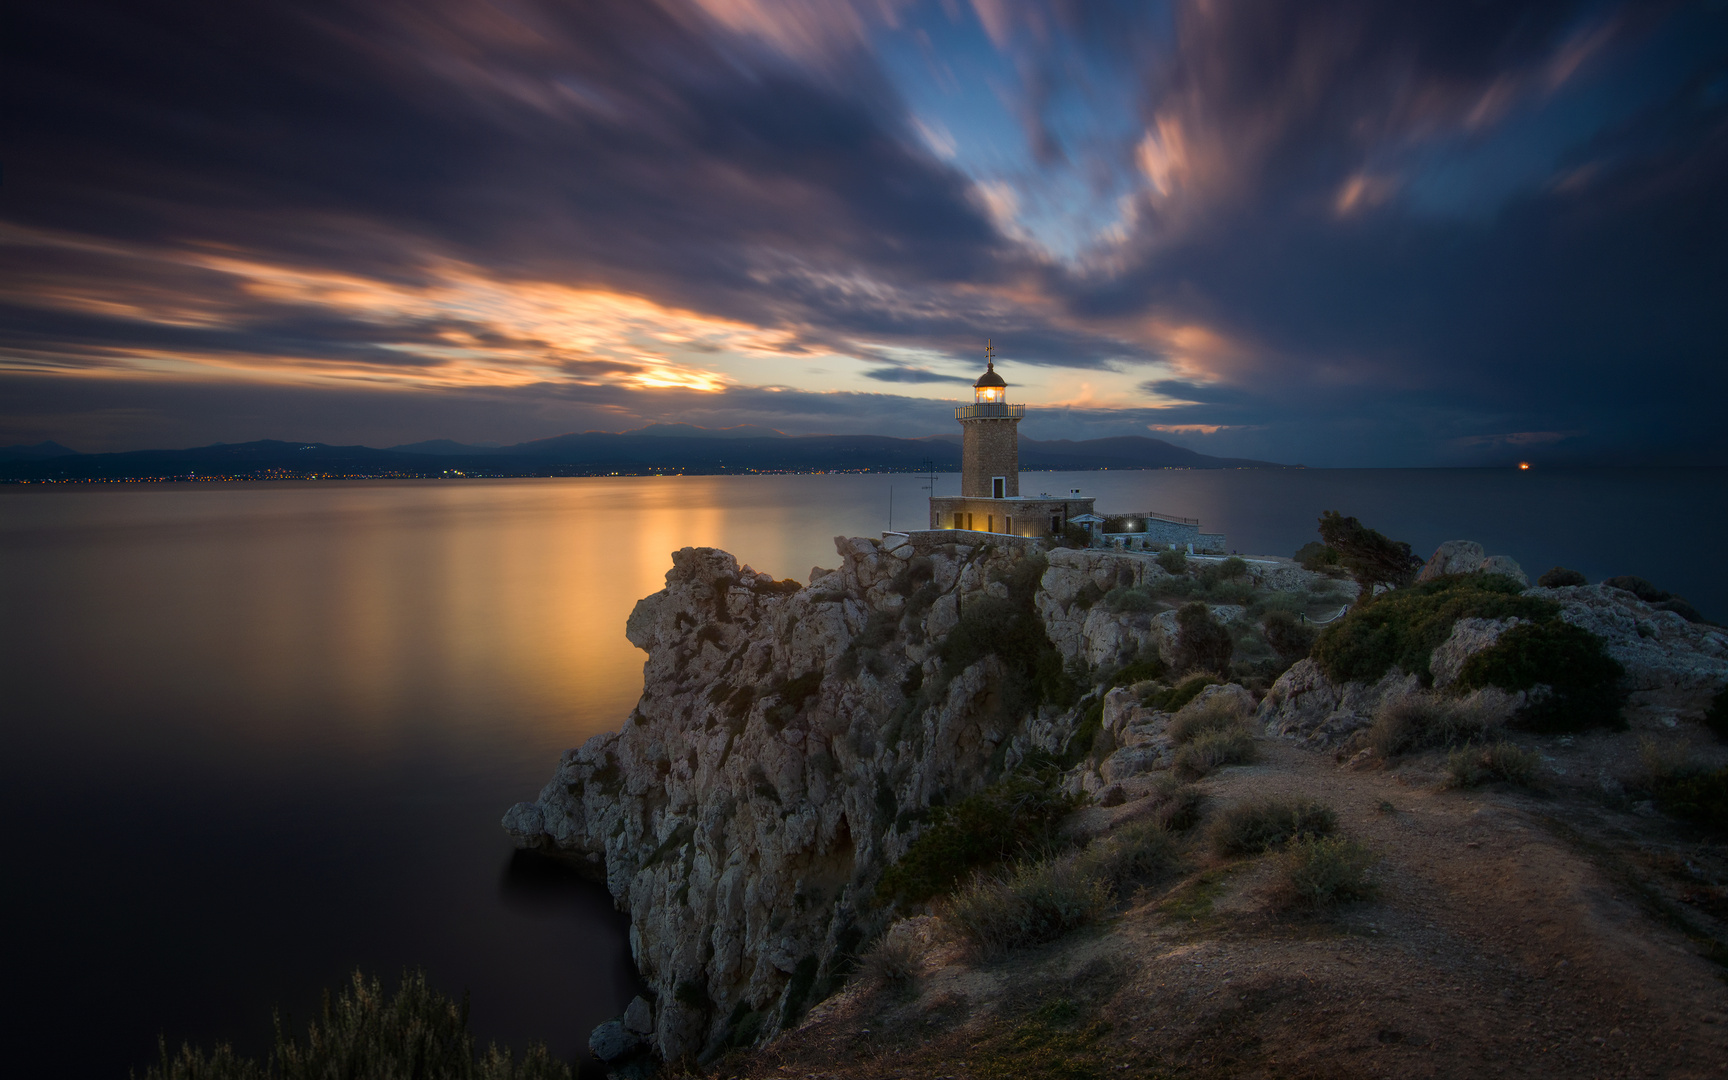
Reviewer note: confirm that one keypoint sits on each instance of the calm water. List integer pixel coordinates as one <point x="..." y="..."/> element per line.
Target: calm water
<point x="256" y="735"/>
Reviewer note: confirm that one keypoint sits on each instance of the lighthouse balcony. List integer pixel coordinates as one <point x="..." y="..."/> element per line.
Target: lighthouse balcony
<point x="994" y="410"/>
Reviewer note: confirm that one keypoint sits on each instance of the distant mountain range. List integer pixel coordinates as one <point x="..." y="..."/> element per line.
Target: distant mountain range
<point x="681" y="448"/>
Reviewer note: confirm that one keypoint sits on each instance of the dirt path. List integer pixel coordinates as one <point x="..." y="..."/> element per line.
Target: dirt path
<point x="1513" y="937"/>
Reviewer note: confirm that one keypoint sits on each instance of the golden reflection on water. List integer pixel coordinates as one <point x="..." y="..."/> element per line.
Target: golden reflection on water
<point x="359" y="617"/>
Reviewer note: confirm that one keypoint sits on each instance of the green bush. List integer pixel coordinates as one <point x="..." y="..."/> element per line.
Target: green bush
<point x="1012" y="629"/>
<point x="1018" y="814"/>
<point x="1173" y="561"/>
<point x="1288" y="635"/>
<point x="1639" y="587"/>
<point x="1258" y="825"/>
<point x="1583" y="681"/>
<point x="1146" y="666"/>
<point x="1474" y="764"/>
<point x="414" y="1034"/>
<point x="1317" y="557"/>
<point x="1173" y="698"/>
<point x="1404" y="626"/>
<point x="1175" y="805"/>
<point x="1202" y="643"/>
<point x="1323" y="871"/>
<point x="1212" y="750"/>
<point x="1124" y="598"/>
<point x="1232" y="568"/>
<point x="1560" y="577"/>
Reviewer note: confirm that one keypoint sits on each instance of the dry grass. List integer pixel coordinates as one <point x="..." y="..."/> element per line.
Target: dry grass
<point x="894" y="964"/>
<point x="1212" y="749"/>
<point x="1033" y="903"/>
<point x="1216" y="713"/>
<point x="1423" y="720"/>
<point x="1259" y="825"/>
<point x="1323" y="871"/>
<point x="1478" y="763"/>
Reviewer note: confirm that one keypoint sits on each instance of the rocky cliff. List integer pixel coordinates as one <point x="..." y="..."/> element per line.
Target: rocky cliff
<point x="791" y="740"/>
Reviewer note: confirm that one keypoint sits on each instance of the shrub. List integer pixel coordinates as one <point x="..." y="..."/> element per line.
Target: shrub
<point x="1202" y="643"/>
<point x="1123" y="598"/>
<point x="1213" y="749"/>
<point x="1175" y="805"/>
<point x="1012" y="630"/>
<point x="416" y="1032"/>
<point x="1583" y="681"/>
<point x="1638" y="587"/>
<point x="1403" y="627"/>
<point x="1033" y="903"/>
<point x="1371" y="558"/>
<point x="1321" y="871"/>
<point x="1560" y="577"/>
<point x="1018" y="814"/>
<point x="1135" y="853"/>
<point x="1232" y="568"/>
<point x="1475" y="763"/>
<point x="1146" y="666"/>
<point x="1423" y="720"/>
<point x="1217" y="713"/>
<point x="1289" y="637"/>
<point x="1172" y="699"/>
<point x="1700" y="797"/>
<point x="1316" y="557"/>
<point x="894" y="963"/>
<point x="1173" y="561"/>
<point x="1681" y="608"/>
<point x="1261" y="824"/>
<point x="1076" y="536"/>
<point x="1717" y="718"/>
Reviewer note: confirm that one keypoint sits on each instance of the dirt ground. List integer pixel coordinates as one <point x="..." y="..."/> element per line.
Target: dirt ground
<point x="1560" y="932"/>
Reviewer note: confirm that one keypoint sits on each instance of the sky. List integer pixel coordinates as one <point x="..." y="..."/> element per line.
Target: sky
<point x="1335" y="232"/>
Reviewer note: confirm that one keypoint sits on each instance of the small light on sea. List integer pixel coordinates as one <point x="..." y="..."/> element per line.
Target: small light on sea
<point x="1523" y="464"/>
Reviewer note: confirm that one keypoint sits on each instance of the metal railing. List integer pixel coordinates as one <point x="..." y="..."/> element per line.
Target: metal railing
<point x="992" y="411"/>
<point x="1157" y="517"/>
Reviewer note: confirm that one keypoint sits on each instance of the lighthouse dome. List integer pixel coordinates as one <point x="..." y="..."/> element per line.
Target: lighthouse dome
<point x="989" y="378"/>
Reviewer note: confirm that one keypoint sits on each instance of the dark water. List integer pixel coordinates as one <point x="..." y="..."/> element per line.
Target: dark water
<point x="258" y="735"/>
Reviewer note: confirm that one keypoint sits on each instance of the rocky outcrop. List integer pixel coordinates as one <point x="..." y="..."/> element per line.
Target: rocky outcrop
<point x="787" y="744"/>
<point x="1467" y="557"/>
<point x="1673" y="667"/>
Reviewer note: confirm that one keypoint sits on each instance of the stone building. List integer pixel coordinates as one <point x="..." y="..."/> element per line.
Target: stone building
<point x="990" y="499"/>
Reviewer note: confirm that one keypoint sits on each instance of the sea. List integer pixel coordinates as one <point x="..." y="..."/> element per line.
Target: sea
<point x="258" y="736"/>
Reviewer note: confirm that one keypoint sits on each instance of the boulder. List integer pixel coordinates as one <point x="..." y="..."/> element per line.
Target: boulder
<point x="639" y="1017"/>
<point x="526" y="825"/>
<point x="1467" y="557"/>
<point x="1469" y="637"/>
<point x="612" y="1041"/>
<point x="1304" y="705"/>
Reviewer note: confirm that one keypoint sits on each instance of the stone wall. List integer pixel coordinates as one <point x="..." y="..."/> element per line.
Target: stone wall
<point x="988" y="449"/>
<point x="1031" y="517"/>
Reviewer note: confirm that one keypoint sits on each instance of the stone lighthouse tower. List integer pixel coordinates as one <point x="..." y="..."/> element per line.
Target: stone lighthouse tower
<point x="989" y="499"/>
<point x="990" y="437"/>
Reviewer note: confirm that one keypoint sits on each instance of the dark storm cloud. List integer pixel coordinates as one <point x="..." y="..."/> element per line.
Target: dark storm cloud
<point x="1355" y="232"/>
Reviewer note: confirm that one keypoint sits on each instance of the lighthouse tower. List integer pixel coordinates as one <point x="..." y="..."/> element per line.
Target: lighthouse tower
<point x="990" y="437"/>
<point x="989" y="499"/>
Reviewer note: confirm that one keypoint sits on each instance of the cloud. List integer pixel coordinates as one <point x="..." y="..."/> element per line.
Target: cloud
<point x="1341" y="231"/>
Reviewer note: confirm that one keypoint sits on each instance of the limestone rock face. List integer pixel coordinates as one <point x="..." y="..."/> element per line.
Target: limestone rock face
<point x="1469" y="637"/>
<point x="1467" y="557"/>
<point x="772" y="769"/>
<point x="1304" y="705"/>
<point x="1673" y="667"/>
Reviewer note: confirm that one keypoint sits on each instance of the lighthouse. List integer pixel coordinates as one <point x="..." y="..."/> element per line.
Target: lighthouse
<point x="990" y="499"/>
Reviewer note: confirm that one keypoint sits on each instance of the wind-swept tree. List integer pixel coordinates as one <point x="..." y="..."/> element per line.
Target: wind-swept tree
<point x="1371" y="558"/>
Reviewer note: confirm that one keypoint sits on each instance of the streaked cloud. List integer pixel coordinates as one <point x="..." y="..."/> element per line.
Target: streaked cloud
<point x="1343" y="232"/>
